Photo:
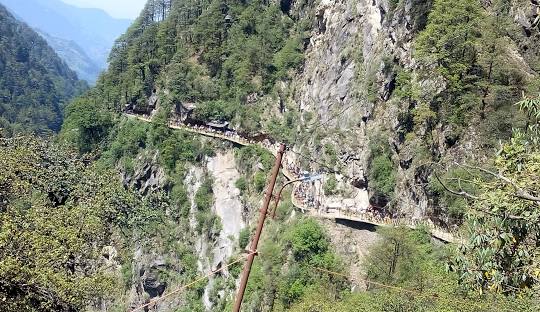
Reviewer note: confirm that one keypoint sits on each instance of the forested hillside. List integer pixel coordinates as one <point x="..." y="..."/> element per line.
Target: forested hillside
<point x="403" y="119"/>
<point x="58" y="219"/>
<point x="35" y="84"/>
<point x="75" y="33"/>
<point x="214" y="54"/>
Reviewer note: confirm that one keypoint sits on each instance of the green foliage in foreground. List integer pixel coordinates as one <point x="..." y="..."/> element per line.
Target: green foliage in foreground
<point x="319" y="300"/>
<point x="501" y="254"/>
<point x="56" y="216"/>
<point x="407" y="273"/>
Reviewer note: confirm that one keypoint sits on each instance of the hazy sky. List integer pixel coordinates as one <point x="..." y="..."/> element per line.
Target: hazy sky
<point x="116" y="8"/>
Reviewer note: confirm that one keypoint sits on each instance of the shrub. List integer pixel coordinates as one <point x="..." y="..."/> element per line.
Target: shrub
<point x="204" y="198"/>
<point x="180" y="199"/>
<point x="260" y="181"/>
<point x="308" y="239"/>
<point x="330" y="187"/>
<point x="290" y="56"/>
<point x="180" y="147"/>
<point x="382" y="172"/>
<point x="214" y="111"/>
<point x="241" y="184"/>
<point x="244" y="237"/>
<point x="383" y="175"/>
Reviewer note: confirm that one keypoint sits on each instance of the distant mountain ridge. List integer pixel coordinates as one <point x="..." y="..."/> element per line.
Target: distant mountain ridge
<point x="35" y="84"/>
<point x="92" y="30"/>
<point x="74" y="56"/>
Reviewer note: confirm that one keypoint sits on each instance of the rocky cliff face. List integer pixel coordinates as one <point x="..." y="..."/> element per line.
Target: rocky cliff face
<point x="344" y="63"/>
<point x="344" y="92"/>
<point x="153" y="264"/>
<point x="228" y="207"/>
<point x="148" y="176"/>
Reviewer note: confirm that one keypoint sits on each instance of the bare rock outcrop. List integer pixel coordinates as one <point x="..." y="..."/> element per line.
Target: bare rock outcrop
<point x="147" y="176"/>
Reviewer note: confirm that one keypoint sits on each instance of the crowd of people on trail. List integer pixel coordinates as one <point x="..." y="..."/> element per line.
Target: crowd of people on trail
<point x="233" y="135"/>
<point x="305" y="193"/>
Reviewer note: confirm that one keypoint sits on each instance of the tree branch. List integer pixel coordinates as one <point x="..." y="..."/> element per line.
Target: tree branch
<point x="513" y="217"/>
<point x="465" y="194"/>
<point x="520" y="193"/>
<point x="461" y="193"/>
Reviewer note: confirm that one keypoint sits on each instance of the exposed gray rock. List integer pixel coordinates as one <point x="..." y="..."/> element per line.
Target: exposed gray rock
<point x="228" y="207"/>
<point x="152" y="285"/>
<point x="148" y="175"/>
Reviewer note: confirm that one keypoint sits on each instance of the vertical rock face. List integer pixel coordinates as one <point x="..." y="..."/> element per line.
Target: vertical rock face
<point x="147" y="284"/>
<point x="148" y="175"/>
<point x="228" y="207"/>
<point x="346" y="86"/>
<point x="329" y="71"/>
<point x="227" y="203"/>
<point x="345" y="51"/>
<point x="213" y="252"/>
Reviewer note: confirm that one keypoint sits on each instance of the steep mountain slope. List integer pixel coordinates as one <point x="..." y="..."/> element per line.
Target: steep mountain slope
<point x="60" y="217"/>
<point x="91" y="29"/>
<point x="35" y="84"/>
<point x="381" y="98"/>
<point x="398" y="102"/>
<point x="375" y="87"/>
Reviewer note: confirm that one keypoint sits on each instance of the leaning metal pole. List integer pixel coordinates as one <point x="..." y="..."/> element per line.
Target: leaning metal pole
<point x="262" y="219"/>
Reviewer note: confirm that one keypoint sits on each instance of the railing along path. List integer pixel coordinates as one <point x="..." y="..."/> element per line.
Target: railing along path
<point x="324" y="213"/>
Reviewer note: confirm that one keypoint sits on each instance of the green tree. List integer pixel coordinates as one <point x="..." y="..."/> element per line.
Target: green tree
<point x="500" y="254"/>
<point x="86" y="124"/>
<point x="57" y="217"/>
<point x="382" y="172"/>
<point x="308" y="240"/>
<point x="450" y="38"/>
<point x="406" y="272"/>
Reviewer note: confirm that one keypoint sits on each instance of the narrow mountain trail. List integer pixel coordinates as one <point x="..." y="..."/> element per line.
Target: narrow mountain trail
<point x="333" y="213"/>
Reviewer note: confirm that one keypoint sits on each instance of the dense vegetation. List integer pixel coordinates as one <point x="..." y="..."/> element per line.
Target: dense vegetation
<point x="501" y="254"/>
<point x="405" y="272"/>
<point x="191" y="55"/>
<point x="285" y="271"/>
<point x="35" y="84"/>
<point x="471" y="49"/>
<point x="68" y="229"/>
<point x="457" y="105"/>
<point x="57" y="217"/>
